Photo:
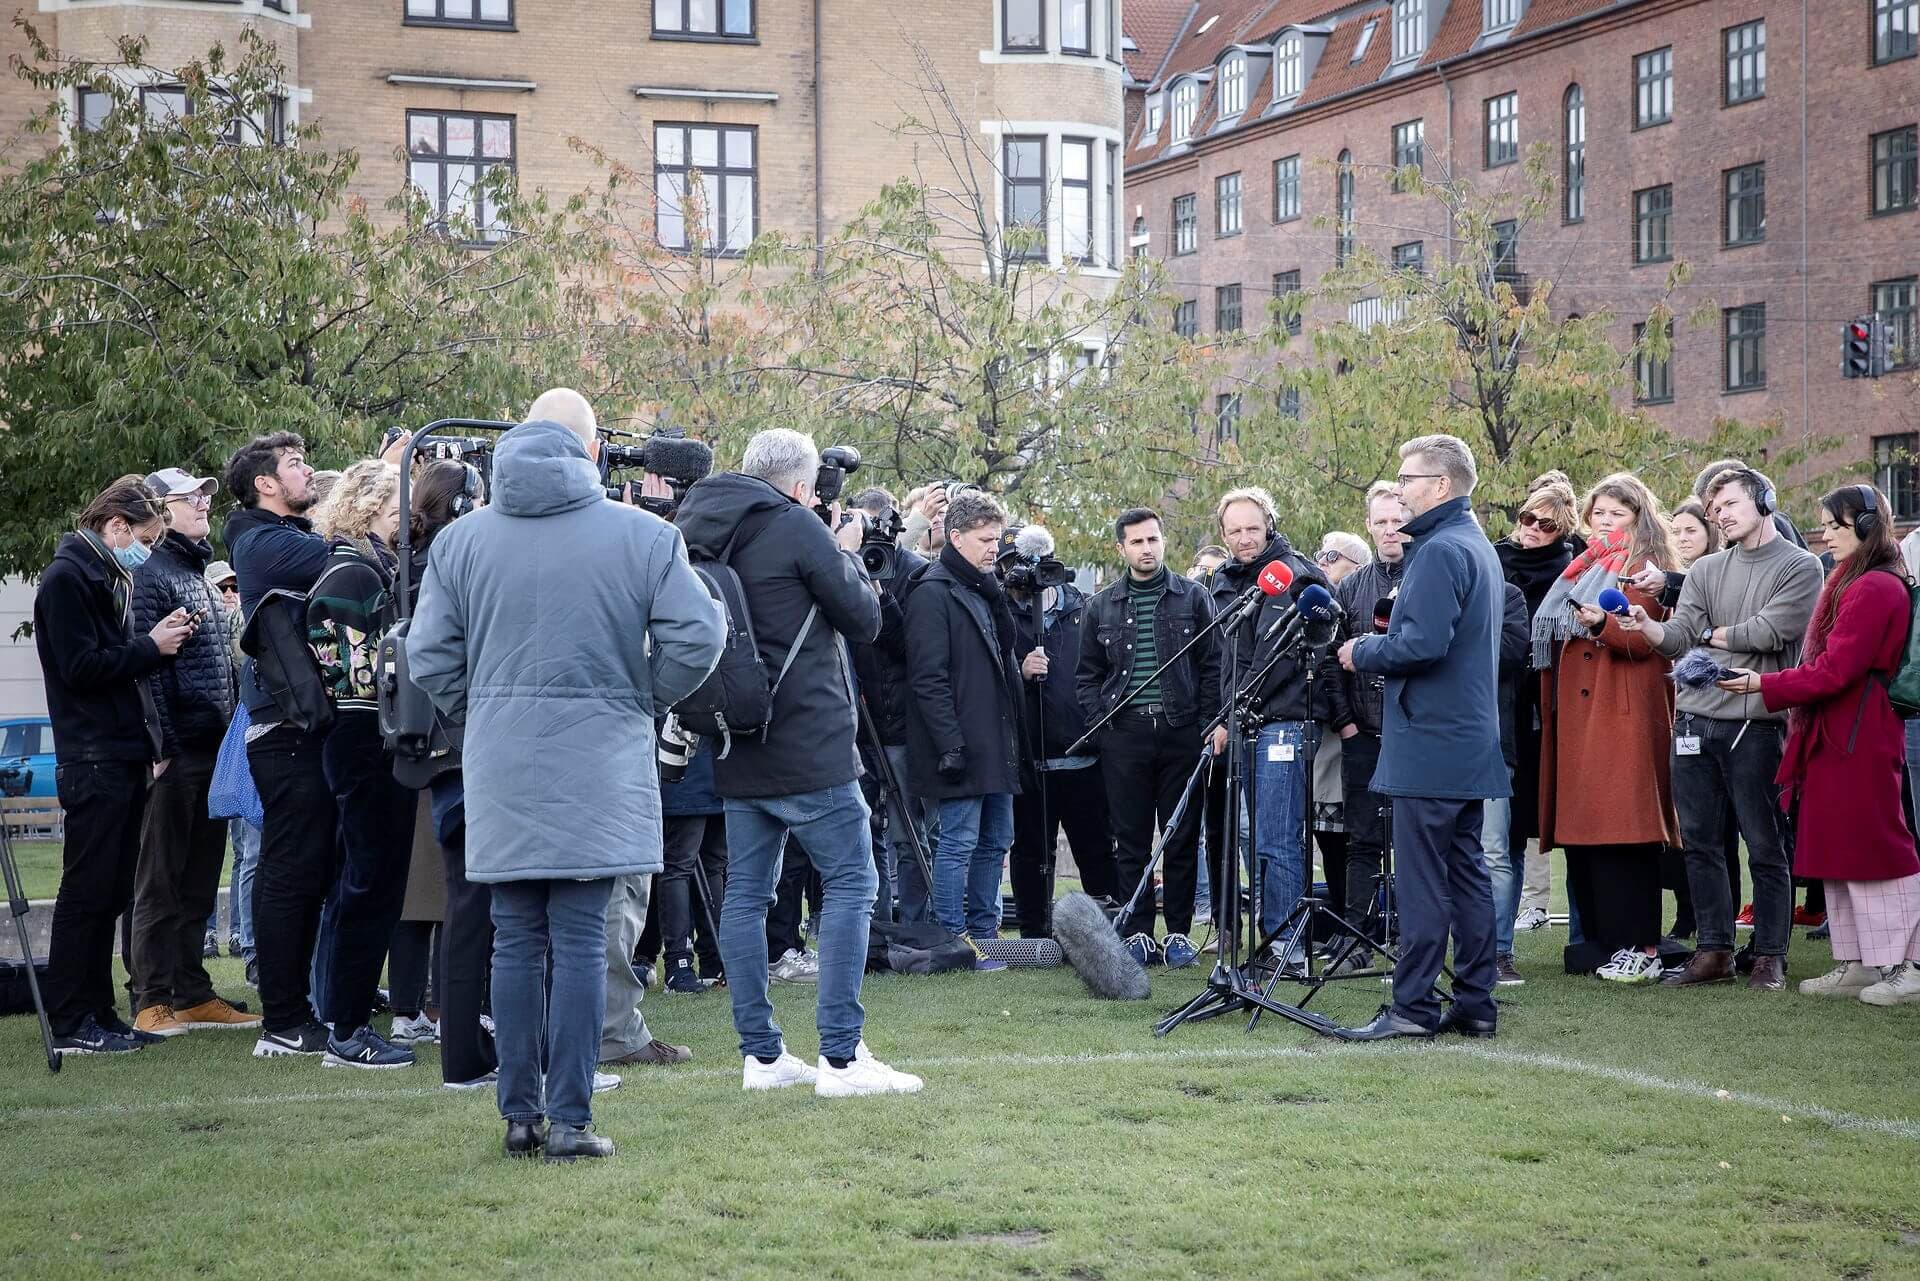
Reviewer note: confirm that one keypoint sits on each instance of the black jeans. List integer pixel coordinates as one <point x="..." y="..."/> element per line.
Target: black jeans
<point x="1146" y="764"/>
<point x="1443" y="888"/>
<point x="466" y="965"/>
<point x="298" y="866"/>
<point x="689" y="922"/>
<point x="1736" y="763"/>
<point x="176" y="887"/>
<point x="412" y="959"/>
<point x="104" y="802"/>
<point x="376" y="816"/>
<point x="1363" y="811"/>
<point x="1076" y="799"/>
<point x="789" y="896"/>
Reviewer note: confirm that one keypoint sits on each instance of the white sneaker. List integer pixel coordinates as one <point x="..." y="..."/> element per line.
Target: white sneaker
<point x="1533" y="918"/>
<point x="416" y="1029"/>
<point x="1899" y="985"/>
<point x="605" y="1081"/>
<point x="796" y="967"/>
<point x="778" y="1075"/>
<point x="486" y="1082"/>
<point x="1630" y="965"/>
<point x="1848" y="978"/>
<point x="862" y="1075"/>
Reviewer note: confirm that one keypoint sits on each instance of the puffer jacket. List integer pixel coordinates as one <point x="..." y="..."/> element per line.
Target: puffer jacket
<point x="193" y="693"/>
<point x="1359" y="593"/>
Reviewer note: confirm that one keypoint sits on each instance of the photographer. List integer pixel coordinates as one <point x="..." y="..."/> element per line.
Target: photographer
<point x="800" y="777"/>
<point x="963" y="724"/>
<point x="1057" y="790"/>
<point x="178" y="883"/>
<point x="881" y="668"/>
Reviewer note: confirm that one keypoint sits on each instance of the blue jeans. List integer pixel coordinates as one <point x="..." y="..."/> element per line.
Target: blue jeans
<point x="975" y="834"/>
<point x="1505" y="870"/>
<point x="1279" y="772"/>
<point x="246" y="856"/>
<point x="831" y="826"/>
<point x="549" y="987"/>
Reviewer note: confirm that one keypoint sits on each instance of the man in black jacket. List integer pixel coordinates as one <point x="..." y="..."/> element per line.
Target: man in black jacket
<point x="1152" y="747"/>
<point x="1057" y="790"/>
<point x="181" y="849"/>
<point x="799" y="778"/>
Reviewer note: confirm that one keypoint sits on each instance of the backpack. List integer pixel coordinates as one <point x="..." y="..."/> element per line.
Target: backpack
<point x="284" y="667"/>
<point x="737" y="696"/>
<point x="910" y="947"/>
<point x="1903" y="689"/>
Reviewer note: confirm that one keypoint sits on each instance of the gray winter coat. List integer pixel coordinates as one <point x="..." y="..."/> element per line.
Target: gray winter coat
<point x="533" y="630"/>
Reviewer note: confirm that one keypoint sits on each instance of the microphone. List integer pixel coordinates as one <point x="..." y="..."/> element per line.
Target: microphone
<point x="1033" y="540"/>
<point x="1614" y="601"/>
<point x="1382" y="614"/>
<point x="1315" y="605"/>
<point x="1274" y="580"/>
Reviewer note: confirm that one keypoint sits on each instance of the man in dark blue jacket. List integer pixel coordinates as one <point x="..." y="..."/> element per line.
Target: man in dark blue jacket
<point x="1440" y="756"/>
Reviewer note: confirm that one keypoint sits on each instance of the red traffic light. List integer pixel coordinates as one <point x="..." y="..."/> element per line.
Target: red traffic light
<point x="1857" y="331"/>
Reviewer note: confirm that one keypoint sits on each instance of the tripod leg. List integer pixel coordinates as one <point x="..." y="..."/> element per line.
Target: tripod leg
<point x="17" y="908"/>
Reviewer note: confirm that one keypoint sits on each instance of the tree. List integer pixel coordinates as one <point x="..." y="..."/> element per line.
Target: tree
<point x="174" y="281"/>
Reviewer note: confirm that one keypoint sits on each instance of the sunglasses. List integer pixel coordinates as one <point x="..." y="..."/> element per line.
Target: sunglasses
<point x="1540" y="523"/>
<point x="1329" y="556"/>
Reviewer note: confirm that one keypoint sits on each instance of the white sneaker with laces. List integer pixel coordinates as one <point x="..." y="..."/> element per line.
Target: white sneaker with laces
<point x="795" y="967"/>
<point x="1611" y="970"/>
<point x="863" y="1075"/>
<point x="416" y="1029"/>
<point x="605" y="1081"/>
<point x="778" y="1075"/>
<point x="1630" y="965"/>
<point x="1848" y="978"/>
<point x="1532" y="919"/>
<point x="1899" y="985"/>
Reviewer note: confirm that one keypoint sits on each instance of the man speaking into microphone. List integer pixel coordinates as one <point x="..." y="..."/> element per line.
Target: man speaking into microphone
<point x="1267" y="650"/>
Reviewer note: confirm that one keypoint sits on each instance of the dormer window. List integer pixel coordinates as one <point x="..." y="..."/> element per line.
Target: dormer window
<point x="1365" y="42"/>
<point x="1156" y="113"/>
<point x="1409" y="29"/>
<point x="1501" y="15"/>
<point x="1233" y="86"/>
<point x="1287" y="63"/>
<point x="1186" y="103"/>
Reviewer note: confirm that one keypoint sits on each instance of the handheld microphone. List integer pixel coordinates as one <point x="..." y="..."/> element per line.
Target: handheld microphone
<point x="1614" y="601"/>
<point x="1274" y="579"/>
<point x="1382" y="614"/>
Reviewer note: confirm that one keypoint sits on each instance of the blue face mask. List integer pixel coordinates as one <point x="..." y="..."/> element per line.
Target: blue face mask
<point x="133" y="555"/>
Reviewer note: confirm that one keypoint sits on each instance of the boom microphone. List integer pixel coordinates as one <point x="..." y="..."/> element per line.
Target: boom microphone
<point x="1034" y="541"/>
<point x="1095" y="951"/>
<point x="1614" y="601"/>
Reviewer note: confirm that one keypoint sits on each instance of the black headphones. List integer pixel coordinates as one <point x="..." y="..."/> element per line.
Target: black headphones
<point x="469" y="496"/>
<point x="1765" y="499"/>
<point x="1868" y="519"/>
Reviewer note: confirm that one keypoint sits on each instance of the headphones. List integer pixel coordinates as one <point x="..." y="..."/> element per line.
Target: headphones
<point x="1765" y="499"/>
<point x="469" y="496"/>
<point x="1866" y="521"/>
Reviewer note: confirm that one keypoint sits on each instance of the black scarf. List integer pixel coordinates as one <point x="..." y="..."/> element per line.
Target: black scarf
<point x="1533" y="569"/>
<point x="987" y="586"/>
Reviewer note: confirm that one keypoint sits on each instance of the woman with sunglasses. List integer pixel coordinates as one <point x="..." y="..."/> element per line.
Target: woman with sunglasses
<point x="1340" y="554"/>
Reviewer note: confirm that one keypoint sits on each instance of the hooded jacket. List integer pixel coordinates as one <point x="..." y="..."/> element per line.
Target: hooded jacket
<point x="270" y="552"/>
<point x="788" y="563"/>
<point x="93" y="663"/>
<point x="555" y="624"/>
<point x="193" y="695"/>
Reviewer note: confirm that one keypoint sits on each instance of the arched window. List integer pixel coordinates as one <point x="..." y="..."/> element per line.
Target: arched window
<point x="1233" y="86"/>
<point x="1573" y="164"/>
<point x="1186" y="99"/>
<point x="1286" y="69"/>
<point x="1140" y="236"/>
<point x="1343" y="212"/>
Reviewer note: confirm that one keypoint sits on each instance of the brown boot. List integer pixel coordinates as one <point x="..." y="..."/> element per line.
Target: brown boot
<point x="1769" y="974"/>
<point x="1702" y="967"/>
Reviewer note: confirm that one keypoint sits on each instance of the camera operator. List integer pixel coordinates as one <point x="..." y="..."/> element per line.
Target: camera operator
<point x="1057" y="790"/>
<point x="881" y="668"/>
<point x="1149" y="750"/>
<point x="800" y="776"/>
<point x="926" y="520"/>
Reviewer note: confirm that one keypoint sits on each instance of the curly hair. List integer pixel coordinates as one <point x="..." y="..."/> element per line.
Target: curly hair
<point x="355" y="503"/>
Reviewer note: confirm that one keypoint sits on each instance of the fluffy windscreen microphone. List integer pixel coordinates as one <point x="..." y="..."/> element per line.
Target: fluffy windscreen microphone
<point x="1382" y="613"/>
<point x="677" y="458"/>
<point x="1698" y="668"/>
<point x="1614" y="601"/>
<point x="1033" y="540"/>
<point x="1095" y="951"/>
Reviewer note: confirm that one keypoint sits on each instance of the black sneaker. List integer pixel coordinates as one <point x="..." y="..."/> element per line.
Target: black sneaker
<point x="366" y="1049"/>
<point x="210" y="949"/>
<point x="119" y="1027"/>
<point x="91" y="1038"/>
<point x="253" y="973"/>
<point x="681" y="978"/>
<point x="310" y="1038"/>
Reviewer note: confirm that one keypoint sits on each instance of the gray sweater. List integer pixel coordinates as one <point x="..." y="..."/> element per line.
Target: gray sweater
<point x="1758" y="602"/>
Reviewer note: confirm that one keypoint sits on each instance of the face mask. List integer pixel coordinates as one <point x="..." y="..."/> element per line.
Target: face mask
<point x="133" y="555"/>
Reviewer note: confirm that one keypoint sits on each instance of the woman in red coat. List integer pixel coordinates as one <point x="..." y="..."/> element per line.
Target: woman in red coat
<point x="1845" y="754"/>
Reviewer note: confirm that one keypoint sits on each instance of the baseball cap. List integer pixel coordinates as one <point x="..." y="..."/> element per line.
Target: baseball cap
<point x="176" y="482"/>
<point x="219" y="572"/>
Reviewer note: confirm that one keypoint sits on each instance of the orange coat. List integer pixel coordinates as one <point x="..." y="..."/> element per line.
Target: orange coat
<point x="1606" y="741"/>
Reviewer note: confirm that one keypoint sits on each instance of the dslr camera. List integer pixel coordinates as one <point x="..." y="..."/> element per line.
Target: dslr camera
<point x="836" y="464"/>
<point x="668" y="454"/>
<point x="880" y="547"/>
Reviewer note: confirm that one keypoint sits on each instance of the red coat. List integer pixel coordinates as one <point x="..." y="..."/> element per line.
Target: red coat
<point x="1846" y="748"/>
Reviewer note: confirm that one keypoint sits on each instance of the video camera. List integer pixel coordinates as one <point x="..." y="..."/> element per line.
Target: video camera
<point x="1031" y="574"/>
<point x="668" y="454"/>
<point x="836" y="464"/>
<point x="15" y="778"/>
<point x="475" y="451"/>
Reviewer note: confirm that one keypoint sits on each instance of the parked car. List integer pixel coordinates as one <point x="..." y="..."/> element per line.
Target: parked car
<point x="29" y="739"/>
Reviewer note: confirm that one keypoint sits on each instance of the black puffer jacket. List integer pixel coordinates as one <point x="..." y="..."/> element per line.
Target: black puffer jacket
<point x="1359" y="594"/>
<point x="193" y="694"/>
<point x="1282" y="695"/>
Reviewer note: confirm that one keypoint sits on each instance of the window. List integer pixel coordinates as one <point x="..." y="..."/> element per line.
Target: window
<point x="1343" y="211"/>
<point x="1286" y="189"/>
<point x="1023" y="29"/>
<point x="1140" y="238"/>
<point x="1186" y="224"/>
<point x="1411" y="256"/>
<point x="1409" y="29"/>
<point x="1894" y="161"/>
<point x="167" y="105"/>
<point x="91" y="110"/>
<point x="1186" y="318"/>
<point x="732" y="19"/>
<point x="1226" y="205"/>
<point x="1286" y="69"/>
<point x="1746" y="342"/>
<point x="1233" y="86"/>
<point x="1112" y="219"/>
<point x="1894" y="300"/>
<point x="1226" y="415"/>
<point x="1746" y="207"/>
<point x="1076" y="27"/>
<point x="1897" y="475"/>
<point x="1506" y="251"/>
<point x="1156" y="110"/>
<point x="1896" y="29"/>
<point x="1653" y="225"/>
<point x="1288" y="403"/>
<point x="447" y="156"/>
<point x="1501" y="15"/>
<point x="1365" y="42"/>
<point x="1503" y="130"/>
<point x="1652" y="379"/>
<point x="1284" y="283"/>
<point x="465" y="13"/>
<point x="1409" y="149"/>
<point x="1746" y="62"/>
<point x="1076" y="198"/>
<point x="1653" y="80"/>
<point x="1186" y="100"/>
<point x="720" y="164"/>
<point x="1226" y="308"/>
<point x="1023" y="178"/>
<point x="1573" y="159"/>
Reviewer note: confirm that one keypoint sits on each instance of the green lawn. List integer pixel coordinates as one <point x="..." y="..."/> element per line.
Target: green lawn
<point x="1056" y="1138"/>
<point x="40" y="867"/>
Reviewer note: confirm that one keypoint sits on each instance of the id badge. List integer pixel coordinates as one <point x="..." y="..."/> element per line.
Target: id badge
<point x="1280" y="752"/>
<point x="1686" y="745"/>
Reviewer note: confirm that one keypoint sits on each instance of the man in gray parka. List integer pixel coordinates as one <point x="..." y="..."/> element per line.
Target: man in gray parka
<point x="555" y="624"/>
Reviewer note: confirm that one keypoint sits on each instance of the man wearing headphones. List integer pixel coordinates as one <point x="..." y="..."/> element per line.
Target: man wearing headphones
<point x="1749" y="604"/>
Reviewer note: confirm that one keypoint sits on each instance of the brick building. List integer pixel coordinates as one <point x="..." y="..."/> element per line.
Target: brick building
<point x="1768" y="143"/>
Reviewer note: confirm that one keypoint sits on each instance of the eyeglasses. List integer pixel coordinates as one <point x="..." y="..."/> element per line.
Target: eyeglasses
<point x="199" y="501"/>
<point x="1406" y="476"/>
<point x="1540" y="523"/>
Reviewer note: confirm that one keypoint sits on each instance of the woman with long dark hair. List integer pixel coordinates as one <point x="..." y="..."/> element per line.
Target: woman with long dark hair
<point x="1845" y="752"/>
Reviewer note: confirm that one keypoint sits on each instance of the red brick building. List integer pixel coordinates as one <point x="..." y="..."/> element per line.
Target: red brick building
<point x="1770" y="144"/>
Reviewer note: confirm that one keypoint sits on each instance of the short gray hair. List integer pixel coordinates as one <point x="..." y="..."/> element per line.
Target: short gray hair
<point x="1451" y="455"/>
<point x="874" y="500"/>
<point x="972" y="508"/>
<point x="1352" y="546"/>
<point x="782" y="457"/>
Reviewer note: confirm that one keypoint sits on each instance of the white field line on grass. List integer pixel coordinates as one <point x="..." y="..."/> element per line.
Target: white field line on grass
<point x="1909" y="1130"/>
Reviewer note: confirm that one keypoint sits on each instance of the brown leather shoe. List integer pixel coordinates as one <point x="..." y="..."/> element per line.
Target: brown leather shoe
<point x="1769" y="974"/>
<point x="655" y="1053"/>
<point x="1702" y="967"/>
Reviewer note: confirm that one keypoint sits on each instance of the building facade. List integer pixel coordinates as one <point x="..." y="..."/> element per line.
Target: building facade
<point x="1770" y="144"/>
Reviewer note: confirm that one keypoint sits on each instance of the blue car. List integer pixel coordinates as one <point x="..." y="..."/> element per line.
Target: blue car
<point x="29" y="739"/>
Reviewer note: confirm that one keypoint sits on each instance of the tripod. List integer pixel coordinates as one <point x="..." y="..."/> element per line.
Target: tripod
<point x="890" y="789"/>
<point x="14" y="781"/>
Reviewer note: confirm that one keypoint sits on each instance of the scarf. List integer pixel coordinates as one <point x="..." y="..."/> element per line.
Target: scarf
<point x="987" y="586"/>
<point x="121" y="581"/>
<point x="1580" y="583"/>
<point x="1533" y="569"/>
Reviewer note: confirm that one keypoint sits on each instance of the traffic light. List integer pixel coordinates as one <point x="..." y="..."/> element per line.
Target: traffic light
<point x="1858" y="361"/>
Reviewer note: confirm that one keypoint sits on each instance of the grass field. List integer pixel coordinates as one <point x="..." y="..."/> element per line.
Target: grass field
<point x="40" y="867"/>
<point x="1609" y="1132"/>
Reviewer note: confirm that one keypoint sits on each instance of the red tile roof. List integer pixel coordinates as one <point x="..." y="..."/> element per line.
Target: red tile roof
<point x="1154" y="25"/>
<point x="1542" y="14"/>
<point x="1337" y="72"/>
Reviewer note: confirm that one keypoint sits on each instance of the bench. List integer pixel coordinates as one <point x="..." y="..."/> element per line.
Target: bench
<point x="31" y="817"/>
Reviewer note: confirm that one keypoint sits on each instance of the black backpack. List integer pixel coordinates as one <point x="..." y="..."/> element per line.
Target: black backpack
<point x="737" y="697"/>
